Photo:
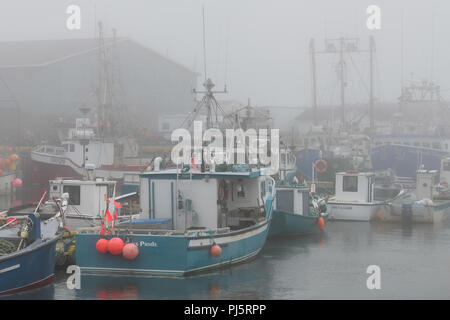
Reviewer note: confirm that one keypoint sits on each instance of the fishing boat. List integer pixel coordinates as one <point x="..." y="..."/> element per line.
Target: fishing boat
<point x="100" y="138"/>
<point x="296" y="212"/>
<point x="424" y="204"/>
<point x="354" y="197"/>
<point x="194" y="221"/>
<point x="27" y="258"/>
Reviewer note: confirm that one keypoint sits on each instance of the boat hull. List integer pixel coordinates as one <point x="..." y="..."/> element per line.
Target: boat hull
<point x="173" y="255"/>
<point x="406" y="160"/>
<point x="289" y="224"/>
<point x="436" y="213"/>
<point x="353" y="211"/>
<point x="29" y="268"/>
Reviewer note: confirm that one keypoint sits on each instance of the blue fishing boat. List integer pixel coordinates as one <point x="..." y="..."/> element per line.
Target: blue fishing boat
<point x="27" y="261"/>
<point x="407" y="153"/>
<point x="192" y="221"/>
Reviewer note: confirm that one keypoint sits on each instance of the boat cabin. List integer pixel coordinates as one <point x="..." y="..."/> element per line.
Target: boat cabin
<point x="425" y="183"/>
<point x="292" y="199"/>
<point x="205" y="200"/>
<point x="352" y="186"/>
<point x="86" y="197"/>
<point x="444" y="174"/>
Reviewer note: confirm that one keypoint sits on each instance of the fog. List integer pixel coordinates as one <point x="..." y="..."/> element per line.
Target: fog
<point x="259" y="48"/>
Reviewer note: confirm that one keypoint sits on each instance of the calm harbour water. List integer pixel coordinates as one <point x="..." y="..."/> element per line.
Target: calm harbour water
<point x="414" y="263"/>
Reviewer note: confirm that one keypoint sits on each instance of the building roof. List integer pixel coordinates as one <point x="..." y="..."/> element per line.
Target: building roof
<point x="40" y="53"/>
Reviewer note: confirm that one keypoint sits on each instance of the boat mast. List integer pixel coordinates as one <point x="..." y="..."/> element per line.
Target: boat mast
<point x="312" y="51"/>
<point x="371" y="102"/>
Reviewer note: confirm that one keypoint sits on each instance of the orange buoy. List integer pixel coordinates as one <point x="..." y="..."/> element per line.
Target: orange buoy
<point x="321" y="223"/>
<point x="102" y="245"/>
<point x="115" y="246"/>
<point x="379" y="214"/>
<point x="215" y="251"/>
<point x="17" y="183"/>
<point x="130" y="251"/>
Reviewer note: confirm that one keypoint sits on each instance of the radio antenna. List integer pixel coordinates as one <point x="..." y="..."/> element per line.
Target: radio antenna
<point x="204" y="43"/>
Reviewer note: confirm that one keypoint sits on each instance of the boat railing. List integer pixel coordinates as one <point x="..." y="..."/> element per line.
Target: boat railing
<point x="166" y="232"/>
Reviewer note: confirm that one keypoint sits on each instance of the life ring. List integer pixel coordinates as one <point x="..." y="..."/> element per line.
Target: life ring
<point x="321" y="165"/>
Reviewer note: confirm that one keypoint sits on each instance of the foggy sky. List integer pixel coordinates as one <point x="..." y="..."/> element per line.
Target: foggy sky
<point x="259" y="48"/>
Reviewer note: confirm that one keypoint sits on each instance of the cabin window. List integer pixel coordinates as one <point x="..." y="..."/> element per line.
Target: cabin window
<point x="240" y="191"/>
<point x="110" y="190"/>
<point x="436" y="145"/>
<point x="350" y="184"/>
<point x="263" y="189"/>
<point x="66" y="147"/>
<point x="74" y="194"/>
<point x="55" y="188"/>
<point x="72" y="147"/>
<point x="446" y="166"/>
<point x="426" y="144"/>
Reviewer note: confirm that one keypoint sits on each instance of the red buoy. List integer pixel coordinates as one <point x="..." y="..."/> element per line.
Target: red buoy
<point x="216" y="251"/>
<point x="321" y="223"/>
<point x="1" y="172"/>
<point x="115" y="246"/>
<point x="102" y="245"/>
<point x="130" y="251"/>
<point x="17" y="183"/>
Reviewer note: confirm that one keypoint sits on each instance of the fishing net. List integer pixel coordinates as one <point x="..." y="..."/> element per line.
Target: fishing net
<point x="6" y="247"/>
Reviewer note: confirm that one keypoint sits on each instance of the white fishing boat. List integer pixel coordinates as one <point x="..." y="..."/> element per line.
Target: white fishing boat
<point x="424" y="204"/>
<point x="354" y="197"/>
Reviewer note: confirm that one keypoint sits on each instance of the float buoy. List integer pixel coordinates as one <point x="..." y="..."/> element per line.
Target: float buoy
<point x="13" y="221"/>
<point x="130" y="251"/>
<point x="321" y="165"/>
<point x="215" y="251"/>
<point x="115" y="246"/>
<point x="379" y="216"/>
<point x="321" y="223"/>
<point x="1" y="172"/>
<point x="17" y="183"/>
<point x="102" y="245"/>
